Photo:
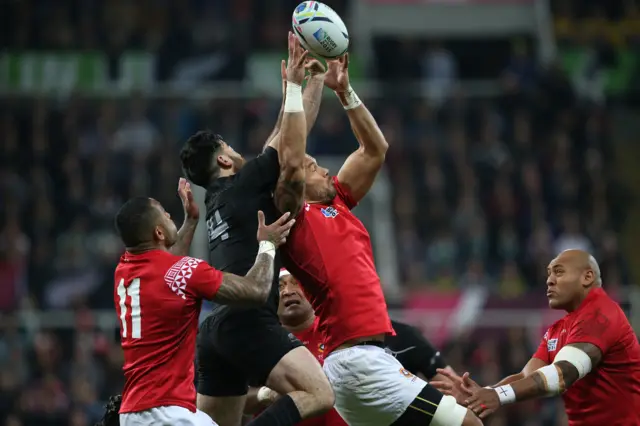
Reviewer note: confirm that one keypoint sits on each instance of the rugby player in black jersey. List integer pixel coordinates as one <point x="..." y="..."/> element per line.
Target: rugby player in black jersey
<point x="236" y="345"/>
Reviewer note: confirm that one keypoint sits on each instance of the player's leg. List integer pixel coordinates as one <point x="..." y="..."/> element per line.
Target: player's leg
<point x="222" y="387"/>
<point x="373" y="389"/>
<point x="275" y="358"/>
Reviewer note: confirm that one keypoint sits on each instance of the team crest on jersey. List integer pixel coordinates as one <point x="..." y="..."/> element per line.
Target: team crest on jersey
<point x="179" y="274"/>
<point x="552" y="344"/>
<point x="329" y="212"/>
<point x="320" y="347"/>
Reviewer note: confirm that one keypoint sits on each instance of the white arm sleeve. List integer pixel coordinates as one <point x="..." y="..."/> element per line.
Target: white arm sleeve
<point x="576" y="357"/>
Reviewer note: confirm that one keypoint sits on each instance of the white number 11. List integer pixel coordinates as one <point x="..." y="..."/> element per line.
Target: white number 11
<point x="132" y="291"/>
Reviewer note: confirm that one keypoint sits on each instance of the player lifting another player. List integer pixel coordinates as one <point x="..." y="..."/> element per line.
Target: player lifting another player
<point x="158" y="294"/>
<point x="329" y="251"/>
<point x="296" y="314"/>
<point x="237" y="346"/>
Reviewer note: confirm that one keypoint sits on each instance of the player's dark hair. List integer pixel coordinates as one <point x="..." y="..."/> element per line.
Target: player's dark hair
<point x="111" y="416"/>
<point x="136" y="220"/>
<point x="198" y="157"/>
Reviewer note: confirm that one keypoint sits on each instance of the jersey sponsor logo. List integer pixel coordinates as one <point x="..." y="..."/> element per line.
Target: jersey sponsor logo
<point x="406" y="373"/>
<point x="179" y="274"/>
<point x="552" y="344"/>
<point x="329" y="212"/>
<point x="217" y="228"/>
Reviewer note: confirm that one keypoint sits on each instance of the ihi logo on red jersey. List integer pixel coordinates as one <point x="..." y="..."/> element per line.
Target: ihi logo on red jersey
<point x="329" y="212"/>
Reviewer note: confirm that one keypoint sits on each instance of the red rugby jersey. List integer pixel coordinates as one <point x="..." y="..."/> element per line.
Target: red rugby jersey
<point x="329" y="252"/>
<point x="609" y="394"/>
<point x="158" y="297"/>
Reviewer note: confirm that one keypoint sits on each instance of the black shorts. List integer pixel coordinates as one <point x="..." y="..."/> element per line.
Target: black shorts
<point x="235" y="351"/>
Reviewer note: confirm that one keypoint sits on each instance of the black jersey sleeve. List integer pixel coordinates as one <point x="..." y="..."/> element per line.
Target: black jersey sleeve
<point x="414" y="351"/>
<point x="260" y="173"/>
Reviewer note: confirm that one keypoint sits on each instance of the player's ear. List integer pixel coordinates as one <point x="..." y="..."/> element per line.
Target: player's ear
<point x="588" y="278"/>
<point x="158" y="233"/>
<point x="224" y="161"/>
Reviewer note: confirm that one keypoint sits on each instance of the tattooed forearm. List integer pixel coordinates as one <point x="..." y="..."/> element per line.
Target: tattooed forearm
<point x="185" y="236"/>
<point x="289" y="193"/>
<point x="252" y="289"/>
<point x="311" y="100"/>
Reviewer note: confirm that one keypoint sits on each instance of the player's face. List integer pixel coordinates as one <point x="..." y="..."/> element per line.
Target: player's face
<point x="564" y="286"/>
<point x="319" y="185"/>
<point x="229" y="158"/>
<point x="166" y="230"/>
<point x="294" y="306"/>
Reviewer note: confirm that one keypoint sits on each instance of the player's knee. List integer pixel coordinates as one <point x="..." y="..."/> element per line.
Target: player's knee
<point x="324" y="395"/>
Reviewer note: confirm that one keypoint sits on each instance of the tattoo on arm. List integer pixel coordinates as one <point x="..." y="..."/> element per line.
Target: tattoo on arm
<point x="185" y="236"/>
<point x="289" y="193"/>
<point x="251" y="289"/>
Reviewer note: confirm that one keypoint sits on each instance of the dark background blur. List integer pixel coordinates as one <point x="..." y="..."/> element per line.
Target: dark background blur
<point x="499" y="159"/>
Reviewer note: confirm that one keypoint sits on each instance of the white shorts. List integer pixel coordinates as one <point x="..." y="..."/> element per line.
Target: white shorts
<point x="373" y="389"/>
<point x="166" y="416"/>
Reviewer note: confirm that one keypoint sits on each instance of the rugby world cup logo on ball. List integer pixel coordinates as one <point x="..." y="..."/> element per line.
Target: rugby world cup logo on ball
<point x="320" y="29"/>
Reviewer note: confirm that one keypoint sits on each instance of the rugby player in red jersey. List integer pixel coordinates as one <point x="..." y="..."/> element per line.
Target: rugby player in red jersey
<point x="329" y="251"/>
<point x="409" y="346"/>
<point x="158" y="293"/>
<point x="591" y="356"/>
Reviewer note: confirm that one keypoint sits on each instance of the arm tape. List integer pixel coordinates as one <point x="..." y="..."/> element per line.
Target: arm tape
<point x="552" y="380"/>
<point x="576" y="357"/>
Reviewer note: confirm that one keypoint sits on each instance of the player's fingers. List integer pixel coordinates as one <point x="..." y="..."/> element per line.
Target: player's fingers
<point x="441" y="386"/>
<point x="346" y="61"/>
<point x="283" y="69"/>
<point x="287" y="226"/>
<point x="303" y="57"/>
<point x="260" y="218"/>
<point x="290" y="44"/>
<point x="282" y="219"/>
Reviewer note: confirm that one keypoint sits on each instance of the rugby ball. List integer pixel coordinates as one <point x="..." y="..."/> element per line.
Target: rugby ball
<point x="320" y="29"/>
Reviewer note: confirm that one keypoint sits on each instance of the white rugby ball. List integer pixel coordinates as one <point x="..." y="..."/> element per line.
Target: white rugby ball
<point x="320" y="29"/>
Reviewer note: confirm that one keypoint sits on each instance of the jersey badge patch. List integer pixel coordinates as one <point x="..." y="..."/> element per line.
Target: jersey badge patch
<point x="179" y="274"/>
<point x="329" y="212"/>
<point x="552" y="344"/>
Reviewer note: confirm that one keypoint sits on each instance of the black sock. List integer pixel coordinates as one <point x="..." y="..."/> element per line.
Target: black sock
<point x="283" y="412"/>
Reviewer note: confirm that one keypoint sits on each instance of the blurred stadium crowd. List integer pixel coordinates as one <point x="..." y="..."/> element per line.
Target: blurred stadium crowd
<point x="485" y="191"/>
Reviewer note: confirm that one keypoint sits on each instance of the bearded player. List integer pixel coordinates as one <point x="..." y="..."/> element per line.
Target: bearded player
<point x="329" y="251"/>
<point x="296" y="314"/>
<point x="158" y="293"/>
<point x="237" y="346"/>
<point x="591" y="356"/>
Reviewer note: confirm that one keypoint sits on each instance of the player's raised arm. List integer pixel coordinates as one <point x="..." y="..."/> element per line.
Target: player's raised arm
<point x="191" y="216"/>
<point x="361" y="167"/>
<point x="254" y="287"/>
<point x="289" y="192"/>
<point x="311" y="98"/>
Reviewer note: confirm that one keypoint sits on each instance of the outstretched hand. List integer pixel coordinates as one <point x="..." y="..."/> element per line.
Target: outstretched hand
<point x="295" y="70"/>
<point x="314" y="68"/>
<point x="277" y="232"/>
<point x="337" y="76"/>
<point x="461" y="388"/>
<point x="191" y="210"/>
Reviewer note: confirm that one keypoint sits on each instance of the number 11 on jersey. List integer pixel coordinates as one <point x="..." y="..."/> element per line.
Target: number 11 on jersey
<point x="133" y="293"/>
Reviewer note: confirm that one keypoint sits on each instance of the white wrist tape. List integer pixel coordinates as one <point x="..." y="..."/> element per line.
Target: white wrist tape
<point x="293" y="99"/>
<point x="266" y="395"/>
<point x="267" y="247"/>
<point x="349" y="99"/>
<point x="576" y="357"/>
<point x="505" y="394"/>
<point x="552" y="379"/>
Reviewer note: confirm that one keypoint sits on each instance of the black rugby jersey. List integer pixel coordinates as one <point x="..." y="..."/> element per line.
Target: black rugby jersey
<point x="413" y="350"/>
<point x="232" y="222"/>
